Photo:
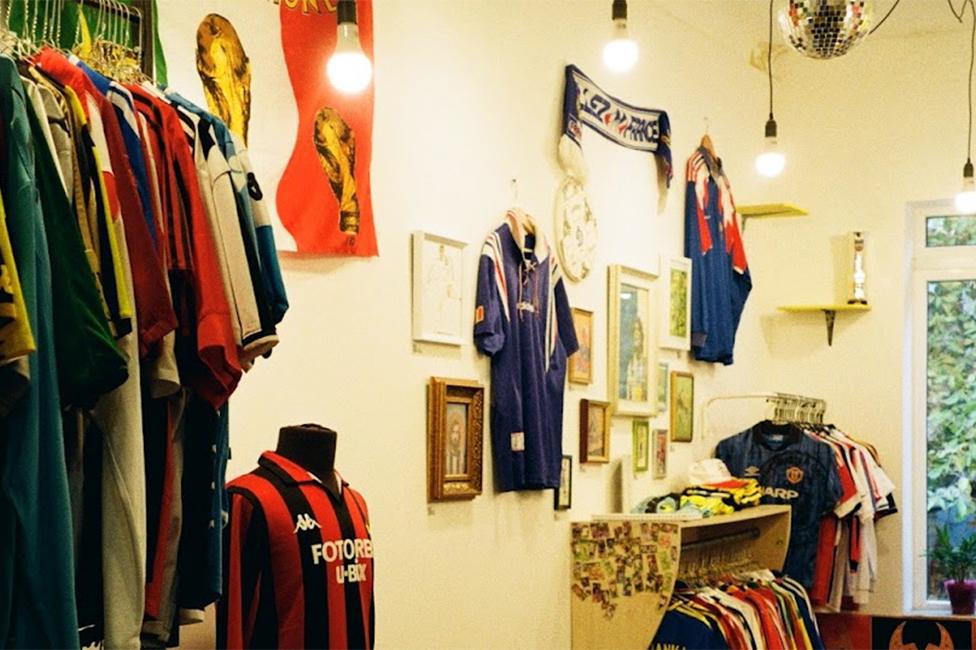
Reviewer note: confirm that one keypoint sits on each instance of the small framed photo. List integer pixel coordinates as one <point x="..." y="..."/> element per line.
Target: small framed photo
<point x="632" y="355"/>
<point x="641" y="433"/>
<point x="438" y="281"/>
<point x="660" y="454"/>
<point x="581" y="363"/>
<point x="663" y="379"/>
<point x="563" y="497"/>
<point x="594" y="431"/>
<point x="676" y="315"/>
<point x="455" y="416"/>
<point x="682" y="406"/>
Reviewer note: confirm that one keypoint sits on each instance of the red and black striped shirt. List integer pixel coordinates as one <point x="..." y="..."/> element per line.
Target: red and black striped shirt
<point x="298" y="562"/>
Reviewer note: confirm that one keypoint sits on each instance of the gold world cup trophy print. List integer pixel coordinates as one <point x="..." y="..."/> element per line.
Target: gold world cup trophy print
<point x="225" y="71"/>
<point x="335" y="143"/>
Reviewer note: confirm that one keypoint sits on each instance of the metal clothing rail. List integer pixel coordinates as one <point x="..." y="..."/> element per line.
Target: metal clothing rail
<point x="789" y="407"/>
<point x="738" y="536"/>
<point x="139" y="13"/>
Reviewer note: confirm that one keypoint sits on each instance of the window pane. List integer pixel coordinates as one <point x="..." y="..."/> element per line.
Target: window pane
<point x="950" y="231"/>
<point x="950" y="413"/>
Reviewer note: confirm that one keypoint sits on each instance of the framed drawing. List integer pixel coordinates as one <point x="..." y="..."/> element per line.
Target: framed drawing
<point x="438" y="281"/>
<point x="682" y="406"/>
<point x="594" y="431"/>
<point x="455" y="416"/>
<point x="676" y="316"/>
<point x="581" y="363"/>
<point x="563" y="497"/>
<point x="641" y="433"/>
<point x="660" y="454"/>
<point x="662" y="386"/>
<point x="632" y="352"/>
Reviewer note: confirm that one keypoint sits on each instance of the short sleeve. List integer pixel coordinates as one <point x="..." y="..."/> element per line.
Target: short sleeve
<point x="564" y="319"/>
<point x="834" y="488"/>
<point x="490" y="312"/>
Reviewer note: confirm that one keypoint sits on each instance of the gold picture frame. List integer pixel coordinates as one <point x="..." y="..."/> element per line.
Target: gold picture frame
<point x="581" y="363"/>
<point x="641" y="431"/>
<point x="676" y="316"/>
<point x="632" y="359"/>
<point x="660" y="454"/>
<point x="455" y="439"/>
<point x="682" y="406"/>
<point x="594" y="431"/>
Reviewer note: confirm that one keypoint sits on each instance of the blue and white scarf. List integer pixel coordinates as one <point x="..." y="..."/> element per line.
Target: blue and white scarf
<point x="644" y="129"/>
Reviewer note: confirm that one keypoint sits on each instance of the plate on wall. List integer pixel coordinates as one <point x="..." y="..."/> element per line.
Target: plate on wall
<point x="576" y="232"/>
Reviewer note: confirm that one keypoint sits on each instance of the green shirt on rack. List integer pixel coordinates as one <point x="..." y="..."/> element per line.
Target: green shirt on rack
<point x="37" y="603"/>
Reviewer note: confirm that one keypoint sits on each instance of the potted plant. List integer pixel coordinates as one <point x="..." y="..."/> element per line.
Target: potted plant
<point x="956" y="563"/>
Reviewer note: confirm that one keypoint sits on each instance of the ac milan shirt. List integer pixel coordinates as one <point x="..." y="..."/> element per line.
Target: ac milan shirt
<point x="523" y="322"/>
<point x="298" y="562"/>
<point x="793" y="469"/>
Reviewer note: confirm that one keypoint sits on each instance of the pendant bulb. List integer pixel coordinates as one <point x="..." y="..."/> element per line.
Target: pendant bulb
<point x="771" y="162"/>
<point x="349" y="69"/>
<point x="620" y="54"/>
<point x="966" y="199"/>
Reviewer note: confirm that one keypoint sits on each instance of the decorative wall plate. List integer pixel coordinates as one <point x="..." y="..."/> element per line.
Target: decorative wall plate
<point x="576" y="233"/>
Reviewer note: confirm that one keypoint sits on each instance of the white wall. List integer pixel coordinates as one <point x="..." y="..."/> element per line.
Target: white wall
<point x="467" y="97"/>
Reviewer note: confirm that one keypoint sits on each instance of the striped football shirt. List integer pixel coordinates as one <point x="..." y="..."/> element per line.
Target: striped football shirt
<point x="298" y="562"/>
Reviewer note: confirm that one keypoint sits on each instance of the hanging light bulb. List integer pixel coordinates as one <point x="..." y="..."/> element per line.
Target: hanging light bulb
<point x="349" y="69"/>
<point x="966" y="199"/>
<point x="771" y="161"/>
<point x="621" y="53"/>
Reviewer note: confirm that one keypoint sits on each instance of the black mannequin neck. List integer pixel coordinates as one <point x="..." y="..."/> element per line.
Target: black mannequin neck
<point x="313" y="447"/>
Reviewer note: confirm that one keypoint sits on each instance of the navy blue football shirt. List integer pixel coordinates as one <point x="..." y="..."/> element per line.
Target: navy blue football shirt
<point x="523" y="322"/>
<point x="793" y="469"/>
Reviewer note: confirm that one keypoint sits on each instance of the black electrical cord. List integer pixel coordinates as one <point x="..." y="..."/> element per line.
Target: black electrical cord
<point x="881" y="22"/>
<point x="972" y="59"/>
<point x="769" y="59"/>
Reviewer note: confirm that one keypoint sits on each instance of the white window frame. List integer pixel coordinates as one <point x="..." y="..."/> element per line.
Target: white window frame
<point x="924" y="265"/>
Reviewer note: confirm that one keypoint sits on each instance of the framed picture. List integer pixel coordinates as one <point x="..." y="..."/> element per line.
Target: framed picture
<point x="563" y="497"/>
<point x="682" y="406"/>
<point x="660" y="454"/>
<point x="632" y="353"/>
<point x="581" y="363"/>
<point x="676" y="316"/>
<point x="663" y="378"/>
<point x="438" y="281"/>
<point x="594" y="431"/>
<point x="455" y="416"/>
<point x="641" y="433"/>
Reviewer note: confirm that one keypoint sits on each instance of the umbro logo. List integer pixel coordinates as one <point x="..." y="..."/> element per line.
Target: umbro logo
<point x="305" y="522"/>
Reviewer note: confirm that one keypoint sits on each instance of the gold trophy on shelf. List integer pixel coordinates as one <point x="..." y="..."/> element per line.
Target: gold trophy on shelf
<point x="858" y="274"/>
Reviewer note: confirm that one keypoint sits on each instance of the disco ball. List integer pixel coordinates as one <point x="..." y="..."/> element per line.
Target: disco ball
<point x="824" y="29"/>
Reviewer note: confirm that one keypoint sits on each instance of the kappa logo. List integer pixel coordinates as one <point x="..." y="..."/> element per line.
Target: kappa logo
<point x="794" y="475"/>
<point x="752" y="470"/>
<point x="305" y="522"/>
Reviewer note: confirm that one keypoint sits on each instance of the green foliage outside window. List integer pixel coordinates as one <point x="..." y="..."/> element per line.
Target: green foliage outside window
<point x="951" y="394"/>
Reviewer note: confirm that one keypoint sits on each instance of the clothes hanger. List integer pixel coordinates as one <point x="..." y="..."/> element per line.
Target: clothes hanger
<point x="707" y="144"/>
<point x="523" y="219"/>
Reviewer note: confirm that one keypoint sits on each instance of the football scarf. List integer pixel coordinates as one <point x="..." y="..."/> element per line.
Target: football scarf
<point x="643" y="129"/>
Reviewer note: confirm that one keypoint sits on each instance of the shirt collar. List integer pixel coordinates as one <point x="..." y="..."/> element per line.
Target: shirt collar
<point x="291" y="472"/>
<point x="519" y="222"/>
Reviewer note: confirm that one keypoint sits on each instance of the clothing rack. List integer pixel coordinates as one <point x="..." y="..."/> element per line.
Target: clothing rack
<point x="743" y="535"/>
<point x="788" y="407"/>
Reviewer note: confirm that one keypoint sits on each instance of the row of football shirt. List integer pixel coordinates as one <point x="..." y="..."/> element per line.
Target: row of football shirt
<point x="754" y="610"/>
<point x="138" y="280"/>
<point x="837" y="490"/>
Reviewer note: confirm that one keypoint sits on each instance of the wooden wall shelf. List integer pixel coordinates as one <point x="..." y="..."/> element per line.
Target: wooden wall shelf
<point x="829" y="311"/>
<point x="615" y="545"/>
